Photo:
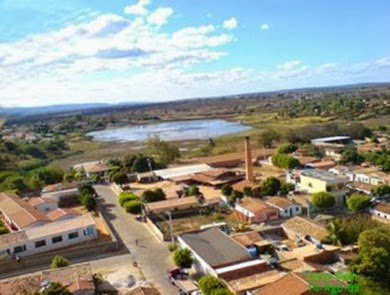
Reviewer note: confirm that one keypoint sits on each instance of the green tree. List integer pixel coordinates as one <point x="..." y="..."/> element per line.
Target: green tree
<point x="351" y="155"/>
<point x="119" y="178"/>
<point x="15" y="183"/>
<point x="125" y="197"/>
<point x="268" y="137"/>
<point x="182" y="258"/>
<point x="133" y="207"/>
<point x="164" y="152"/>
<point x="357" y="202"/>
<point x="284" y="161"/>
<point x="49" y="175"/>
<point x="141" y="164"/>
<point x="88" y="201"/>
<point x="323" y="200"/>
<point x="226" y="190"/>
<point x="55" y="288"/>
<point x="59" y="261"/>
<point x="381" y="190"/>
<point x="192" y="190"/>
<point x="285" y="188"/>
<point x="270" y="186"/>
<point x="287" y="148"/>
<point x="336" y="232"/>
<point x="153" y="196"/>
<point x="248" y="192"/>
<point x="34" y="151"/>
<point x="210" y="285"/>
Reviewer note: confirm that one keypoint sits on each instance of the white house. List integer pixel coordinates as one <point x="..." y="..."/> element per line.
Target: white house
<point x="381" y="210"/>
<point x="60" y="190"/>
<point x="48" y="237"/>
<point x="212" y="249"/>
<point x="286" y="207"/>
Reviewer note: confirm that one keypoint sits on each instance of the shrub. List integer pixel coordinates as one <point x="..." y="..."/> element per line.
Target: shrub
<point x="153" y="196"/>
<point x="211" y="285"/>
<point x="133" y="207"/>
<point x="88" y="201"/>
<point x="125" y="197"/>
<point x="248" y="192"/>
<point x="270" y="186"/>
<point x="226" y="190"/>
<point x="287" y="187"/>
<point x="55" y="288"/>
<point x="119" y="178"/>
<point x="59" y="261"/>
<point x="172" y="246"/>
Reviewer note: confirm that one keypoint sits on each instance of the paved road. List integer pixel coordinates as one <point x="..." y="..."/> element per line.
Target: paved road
<point x="151" y="254"/>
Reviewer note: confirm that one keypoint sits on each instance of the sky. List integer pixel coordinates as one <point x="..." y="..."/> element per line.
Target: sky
<point x="78" y="51"/>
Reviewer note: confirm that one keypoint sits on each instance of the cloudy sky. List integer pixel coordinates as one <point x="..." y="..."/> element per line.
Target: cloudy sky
<point x="73" y="51"/>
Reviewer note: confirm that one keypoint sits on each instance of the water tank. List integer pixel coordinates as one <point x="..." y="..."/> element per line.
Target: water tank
<point x="252" y="251"/>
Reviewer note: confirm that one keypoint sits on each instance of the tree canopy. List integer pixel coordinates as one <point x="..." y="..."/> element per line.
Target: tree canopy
<point x="323" y="200"/>
<point x="270" y="186"/>
<point x="211" y="285"/>
<point x="357" y="202"/>
<point x="153" y="195"/>
<point x="285" y="161"/>
<point x="182" y="258"/>
<point x="59" y="261"/>
<point x="164" y="152"/>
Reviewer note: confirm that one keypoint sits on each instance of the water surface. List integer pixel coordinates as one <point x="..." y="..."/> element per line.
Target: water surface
<point x="172" y="131"/>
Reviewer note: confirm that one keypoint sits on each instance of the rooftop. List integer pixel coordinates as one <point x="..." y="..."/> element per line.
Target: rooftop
<point x="76" y="278"/>
<point x="250" y="238"/>
<point x="59" y="187"/>
<point x="13" y="238"/>
<point x="253" y="205"/>
<point x="383" y="207"/>
<point x="19" y="211"/>
<point x="303" y="227"/>
<point x="59" y="227"/>
<point x="181" y="171"/>
<point x="172" y="203"/>
<point x="279" y="202"/>
<point x="323" y="175"/>
<point x="38" y="201"/>
<point x="331" y="138"/>
<point x="61" y="212"/>
<point x="215" y="247"/>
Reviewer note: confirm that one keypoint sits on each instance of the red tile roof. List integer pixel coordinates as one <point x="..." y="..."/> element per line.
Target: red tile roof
<point x="61" y="212"/>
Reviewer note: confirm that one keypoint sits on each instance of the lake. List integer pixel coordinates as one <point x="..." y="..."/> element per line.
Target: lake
<point x="172" y="131"/>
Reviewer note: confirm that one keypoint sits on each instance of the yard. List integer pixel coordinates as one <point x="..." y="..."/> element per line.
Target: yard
<point x="194" y="222"/>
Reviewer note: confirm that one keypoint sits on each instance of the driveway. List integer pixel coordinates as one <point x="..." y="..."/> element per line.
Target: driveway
<point x="151" y="254"/>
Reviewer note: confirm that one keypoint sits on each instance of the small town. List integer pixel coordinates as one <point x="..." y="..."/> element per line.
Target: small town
<point x="236" y="222"/>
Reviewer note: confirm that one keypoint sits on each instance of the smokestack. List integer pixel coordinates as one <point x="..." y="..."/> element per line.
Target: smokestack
<point x="248" y="160"/>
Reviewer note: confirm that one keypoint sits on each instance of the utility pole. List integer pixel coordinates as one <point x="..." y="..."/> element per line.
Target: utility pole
<point x="170" y="224"/>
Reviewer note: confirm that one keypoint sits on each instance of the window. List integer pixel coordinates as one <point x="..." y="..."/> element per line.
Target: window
<point x="297" y="209"/>
<point x="73" y="235"/>
<point x="19" y="249"/>
<point x="286" y="211"/>
<point x="40" y="243"/>
<point x="56" y="239"/>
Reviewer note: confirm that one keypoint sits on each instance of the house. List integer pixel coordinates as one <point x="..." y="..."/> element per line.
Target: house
<point x="44" y="205"/>
<point x="316" y="180"/>
<point x="298" y="227"/>
<point x="370" y="175"/>
<point x="93" y="169"/>
<point x="48" y="237"/>
<point x="18" y="214"/>
<point x="381" y="210"/>
<point x="286" y="207"/>
<point x="215" y="252"/>
<point x="325" y="165"/>
<point x="78" y="279"/>
<point x="321" y="283"/>
<point x="255" y="211"/>
<point x="332" y="146"/>
<point x="65" y="193"/>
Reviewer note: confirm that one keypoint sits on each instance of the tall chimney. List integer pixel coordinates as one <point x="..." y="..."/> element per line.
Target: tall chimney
<point x="248" y="160"/>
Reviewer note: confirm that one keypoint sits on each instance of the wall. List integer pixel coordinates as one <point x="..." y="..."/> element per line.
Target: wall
<point x="155" y="230"/>
<point x="116" y="188"/>
<point x="282" y="212"/>
<point x="312" y="185"/>
<point x="60" y="194"/>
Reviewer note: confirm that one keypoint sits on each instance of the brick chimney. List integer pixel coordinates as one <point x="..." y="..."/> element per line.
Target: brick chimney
<point x="248" y="160"/>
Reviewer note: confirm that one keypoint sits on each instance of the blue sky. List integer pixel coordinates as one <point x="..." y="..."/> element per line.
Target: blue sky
<point x="54" y="52"/>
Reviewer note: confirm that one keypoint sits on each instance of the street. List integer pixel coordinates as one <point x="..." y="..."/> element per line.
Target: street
<point x="151" y="254"/>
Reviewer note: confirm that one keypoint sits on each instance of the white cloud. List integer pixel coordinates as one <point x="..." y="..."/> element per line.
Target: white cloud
<point x="230" y="23"/>
<point x="264" y="26"/>
<point x="138" y="9"/>
<point x="160" y="16"/>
